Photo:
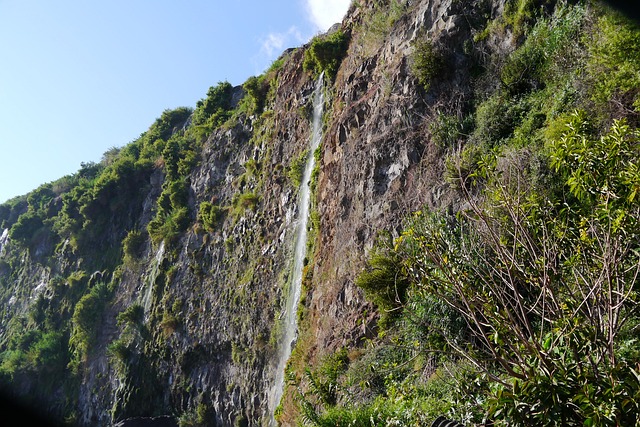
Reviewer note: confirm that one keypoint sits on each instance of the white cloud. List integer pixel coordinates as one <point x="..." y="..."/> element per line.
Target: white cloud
<point x="322" y="13"/>
<point x="325" y="13"/>
<point x="273" y="45"/>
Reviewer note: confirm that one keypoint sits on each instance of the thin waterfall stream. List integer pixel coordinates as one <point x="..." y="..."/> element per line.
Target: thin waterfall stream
<point x="3" y="239"/>
<point x="151" y="279"/>
<point x="290" y="327"/>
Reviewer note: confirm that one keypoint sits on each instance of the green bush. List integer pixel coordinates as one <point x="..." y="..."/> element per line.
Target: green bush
<point x="520" y="14"/>
<point x="210" y="215"/>
<point x="296" y="168"/>
<point x="614" y="61"/>
<point x="326" y="53"/>
<point x="256" y="89"/>
<point x="461" y="167"/>
<point x="170" y="122"/>
<point x="27" y="228"/>
<point x="399" y="396"/>
<point x="173" y="215"/>
<point x="217" y="105"/>
<point x="39" y="200"/>
<point x="497" y="117"/>
<point x="179" y="193"/>
<point x="41" y="353"/>
<point x="244" y="201"/>
<point x="124" y="350"/>
<point x="384" y="283"/>
<point x="168" y="225"/>
<point x="133" y="246"/>
<point x="376" y="26"/>
<point x="12" y="209"/>
<point x="85" y="321"/>
<point x="550" y="44"/>
<point x="132" y="315"/>
<point x="599" y="170"/>
<point x="427" y="62"/>
<point x="201" y="416"/>
<point x="446" y="129"/>
<point x="493" y="265"/>
<point x="152" y="142"/>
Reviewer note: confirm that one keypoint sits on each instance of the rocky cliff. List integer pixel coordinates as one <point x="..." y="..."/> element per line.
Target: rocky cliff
<point x="154" y="283"/>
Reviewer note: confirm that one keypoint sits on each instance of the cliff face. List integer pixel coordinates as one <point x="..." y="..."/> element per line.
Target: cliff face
<point x="202" y="337"/>
<point x="378" y="162"/>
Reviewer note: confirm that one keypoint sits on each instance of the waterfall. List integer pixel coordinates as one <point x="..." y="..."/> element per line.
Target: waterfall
<point x="289" y="319"/>
<point x="3" y="239"/>
<point x="151" y="279"/>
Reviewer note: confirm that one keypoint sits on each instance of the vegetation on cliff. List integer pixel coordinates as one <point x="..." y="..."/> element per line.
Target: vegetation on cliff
<point x="520" y="308"/>
<point x="151" y="282"/>
<point x="87" y="234"/>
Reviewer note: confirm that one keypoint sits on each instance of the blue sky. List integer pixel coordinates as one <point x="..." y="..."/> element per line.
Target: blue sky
<point x="78" y="77"/>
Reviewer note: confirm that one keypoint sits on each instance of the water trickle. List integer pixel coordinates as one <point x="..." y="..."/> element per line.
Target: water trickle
<point x="151" y="280"/>
<point x="290" y="327"/>
<point x="3" y="239"/>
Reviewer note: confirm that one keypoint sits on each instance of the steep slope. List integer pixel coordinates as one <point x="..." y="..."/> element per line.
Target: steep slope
<point x="155" y="282"/>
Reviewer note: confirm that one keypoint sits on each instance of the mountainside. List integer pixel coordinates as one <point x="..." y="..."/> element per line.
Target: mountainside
<point x="471" y="250"/>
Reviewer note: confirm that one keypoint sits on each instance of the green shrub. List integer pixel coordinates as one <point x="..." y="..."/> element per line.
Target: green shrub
<point x="326" y="53"/>
<point x="40" y="199"/>
<point x="27" y="228"/>
<point x="210" y="215"/>
<point x="522" y="70"/>
<point x="384" y="283"/>
<point x="173" y="215"/>
<point x="296" y="168"/>
<point x="12" y="362"/>
<point x="215" y="106"/>
<point x="376" y="26"/>
<point x="36" y="352"/>
<point x="446" y="129"/>
<point x="363" y="416"/>
<point x="614" y="61"/>
<point x="252" y="167"/>
<point x="123" y="351"/>
<point x="169" y="323"/>
<point x="133" y="246"/>
<point x="203" y="415"/>
<point x="171" y="155"/>
<point x="170" y="122"/>
<point x="492" y="265"/>
<point x="395" y="394"/>
<point x="519" y="15"/>
<point x="461" y="167"/>
<point x="49" y="353"/>
<point x="496" y="118"/>
<point x="181" y="218"/>
<point x="599" y="170"/>
<point x="244" y="201"/>
<point x="152" y="142"/>
<point x="427" y="62"/>
<point x="86" y="320"/>
<point x="256" y="89"/>
<point x="541" y="59"/>
<point x="179" y="193"/>
<point x="168" y="225"/>
<point x="132" y="315"/>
